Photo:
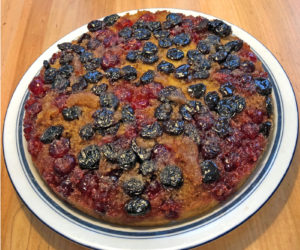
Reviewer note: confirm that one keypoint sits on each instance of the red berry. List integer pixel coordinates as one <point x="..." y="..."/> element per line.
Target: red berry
<point x="124" y="93"/>
<point x="250" y="130"/>
<point x="109" y="60"/>
<point x="58" y="148"/>
<point x="132" y="45"/>
<point x="123" y="23"/>
<point x="60" y="101"/>
<point x="64" y="165"/>
<point x="34" y="146"/>
<point x="54" y="57"/>
<point x="89" y="183"/>
<point x="37" y="87"/>
<point x="148" y="17"/>
<point x="111" y="41"/>
<point x="153" y="189"/>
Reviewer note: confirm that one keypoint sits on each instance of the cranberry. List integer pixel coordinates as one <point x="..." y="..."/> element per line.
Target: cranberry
<point x="171" y="209"/>
<point x="133" y="44"/>
<point x="34" y="146"/>
<point x="221" y="77"/>
<point x="256" y="115"/>
<point x="37" y="87"/>
<point x="60" y="101"/>
<point x="121" y="24"/>
<point x="33" y="107"/>
<point x="140" y="102"/>
<point x="148" y="17"/>
<point x="131" y="133"/>
<point x="54" y="57"/>
<point x="109" y="60"/>
<point x="152" y="90"/>
<point x="111" y="41"/>
<point x="65" y="188"/>
<point x="88" y="183"/>
<point x="64" y="165"/>
<point x="204" y="122"/>
<point x="176" y="30"/>
<point x="153" y="189"/>
<point x="232" y="161"/>
<point x="250" y="130"/>
<point x="124" y="93"/>
<point x="58" y="148"/>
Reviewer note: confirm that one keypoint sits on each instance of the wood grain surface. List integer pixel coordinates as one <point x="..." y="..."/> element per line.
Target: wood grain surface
<point x="29" y="27"/>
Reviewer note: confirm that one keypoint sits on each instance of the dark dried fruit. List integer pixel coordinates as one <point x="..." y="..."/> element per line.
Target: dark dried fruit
<point x="202" y="25"/>
<point x="174" y="19"/>
<point x="200" y="74"/>
<point x="142" y="153"/>
<point x="194" y="55"/>
<point x="112" y="130"/>
<point x="222" y="127"/>
<point x="99" y="89"/>
<point x="165" y="42"/>
<point x="127" y="113"/>
<point x="226" y="89"/>
<point x="219" y="27"/>
<point x="93" y="76"/>
<point x="64" y="46"/>
<point x="89" y="157"/>
<point x="265" y="128"/>
<point x="226" y="108"/>
<point x="212" y="40"/>
<point x="46" y="64"/>
<point x="77" y="49"/>
<point x="187" y="112"/>
<point x="142" y="34"/>
<point x="171" y="176"/>
<point x="219" y="56"/>
<point x="137" y="206"/>
<point x="232" y="62"/>
<point x="175" y="54"/>
<point x="263" y="86"/>
<point x="171" y="93"/>
<point x="110" y="152"/>
<point x="269" y="106"/>
<point x="159" y="34"/>
<point x="110" y="20"/>
<point x="195" y="107"/>
<point x="154" y="26"/>
<point x="95" y="25"/>
<point x="240" y="103"/>
<point x="197" y="90"/>
<point x="52" y="133"/>
<point x="166" y="67"/>
<point x="163" y="112"/>
<point x="87" y="132"/>
<point x="191" y="131"/>
<point x="71" y="113"/>
<point x="182" y="71"/>
<point x="50" y="75"/>
<point x="60" y="83"/>
<point x="203" y="47"/>
<point x="212" y="99"/>
<point x="126" y="33"/>
<point x="81" y="84"/>
<point x="247" y="66"/>
<point x="129" y="73"/>
<point x="182" y="39"/>
<point x="209" y="171"/>
<point x="235" y="45"/>
<point x="86" y="57"/>
<point x="149" y="59"/>
<point x="149" y="48"/>
<point x="113" y="74"/>
<point x="127" y="159"/>
<point x="93" y="64"/>
<point x="147" y="168"/>
<point x="65" y="71"/>
<point x="151" y="131"/>
<point x="147" y="77"/>
<point x="132" y="56"/>
<point x="133" y="187"/>
<point x="210" y="148"/>
<point x="174" y="127"/>
<point x="104" y="118"/>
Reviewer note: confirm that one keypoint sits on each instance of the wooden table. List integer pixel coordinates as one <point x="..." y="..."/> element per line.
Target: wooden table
<point x="31" y="26"/>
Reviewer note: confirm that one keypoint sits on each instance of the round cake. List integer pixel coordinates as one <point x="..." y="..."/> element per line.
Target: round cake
<point x="150" y="118"/>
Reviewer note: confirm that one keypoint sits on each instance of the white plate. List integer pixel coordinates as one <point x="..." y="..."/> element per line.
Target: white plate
<point x="89" y="232"/>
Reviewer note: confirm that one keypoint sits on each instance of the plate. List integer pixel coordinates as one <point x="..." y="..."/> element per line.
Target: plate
<point x="87" y="231"/>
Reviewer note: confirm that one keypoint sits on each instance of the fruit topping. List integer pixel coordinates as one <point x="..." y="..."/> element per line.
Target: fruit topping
<point x="210" y="172"/>
<point x="197" y="90"/>
<point x="173" y="127"/>
<point x="171" y="176"/>
<point x="71" y="113"/>
<point x="51" y="133"/>
<point x="137" y="206"/>
<point x="147" y="167"/>
<point x="134" y="187"/>
<point x="151" y="131"/>
<point x="89" y="157"/>
<point x="163" y="112"/>
<point x="87" y="132"/>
